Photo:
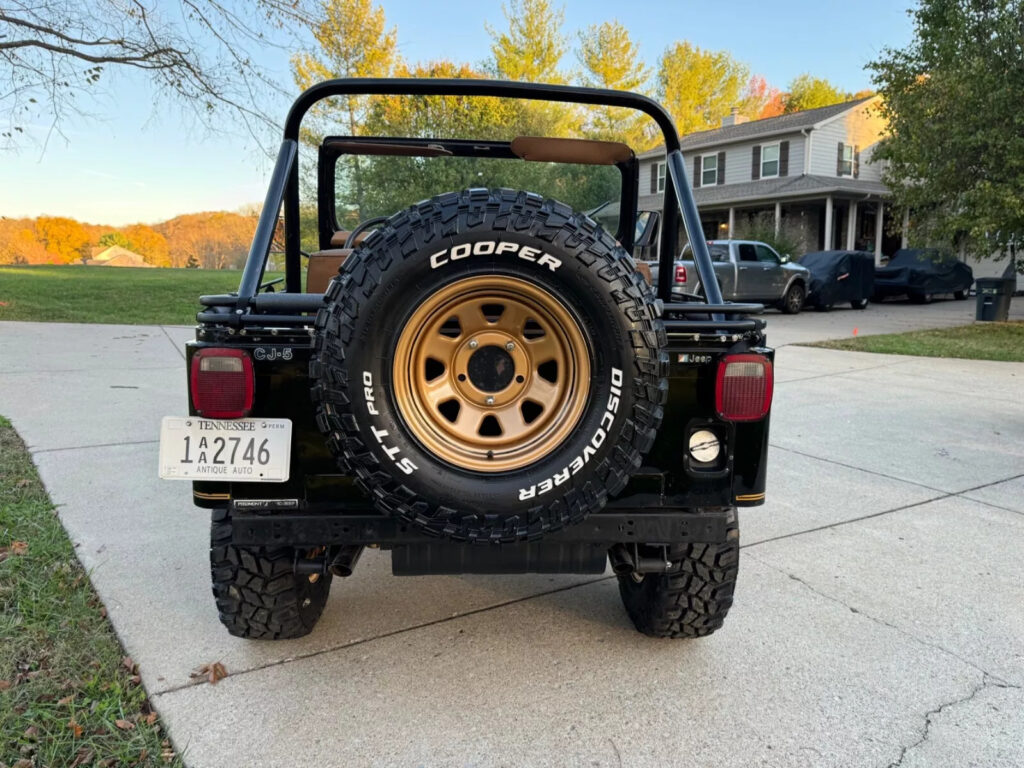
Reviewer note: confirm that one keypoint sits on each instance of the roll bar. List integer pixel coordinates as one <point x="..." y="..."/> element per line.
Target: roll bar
<point x="284" y="183"/>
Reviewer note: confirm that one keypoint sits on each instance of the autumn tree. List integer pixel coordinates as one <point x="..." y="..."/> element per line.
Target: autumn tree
<point x="610" y="59"/>
<point x="149" y="244"/>
<point x="198" y="53"/>
<point x="761" y="100"/>
<point x="19" y="244"/>
<point x="699" y="87"/>
<point x="530" y="49"/>
<point x="809" y="92"/>
<point x="353" y="41"/>
<point x="955" y="145"/>
<point x="63" y="237"/>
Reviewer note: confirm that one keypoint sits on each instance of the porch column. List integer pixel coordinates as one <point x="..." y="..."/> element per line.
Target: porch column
<point x="851" y="226"/>
<point x="906" y="227"/>
<point x="827" y="240"/>
<point x="778" y="218"/>
<point x="732" y="221"/>
<point x="879" y="228"/>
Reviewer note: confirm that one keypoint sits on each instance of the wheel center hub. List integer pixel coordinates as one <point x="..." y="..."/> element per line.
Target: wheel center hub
<point x="490" y="369"/>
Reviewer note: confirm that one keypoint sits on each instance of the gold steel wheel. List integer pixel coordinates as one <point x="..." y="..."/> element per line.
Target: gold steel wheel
<point x="491" y="373"/>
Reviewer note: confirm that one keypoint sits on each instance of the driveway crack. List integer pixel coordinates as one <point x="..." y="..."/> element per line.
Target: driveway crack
<point x="882" y="622"/>
<point x="987" y="681"/>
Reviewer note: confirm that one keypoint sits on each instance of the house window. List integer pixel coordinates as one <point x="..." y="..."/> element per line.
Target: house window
<point x="660" y="169"/>
<point x="846" y="160"/>
<point x="709" y="170"/>
<point x="769" y="161"/>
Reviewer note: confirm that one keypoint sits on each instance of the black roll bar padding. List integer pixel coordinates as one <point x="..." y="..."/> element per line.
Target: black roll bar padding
<point x="284" y="186"/>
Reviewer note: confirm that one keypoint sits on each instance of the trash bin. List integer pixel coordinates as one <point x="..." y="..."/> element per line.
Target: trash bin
<point x="994" y="295"/>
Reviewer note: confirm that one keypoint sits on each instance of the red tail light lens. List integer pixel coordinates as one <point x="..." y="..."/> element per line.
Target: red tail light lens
<point x="680" y="273"/>
<point x="743" y="389"/>
<point x="221" y="383"/>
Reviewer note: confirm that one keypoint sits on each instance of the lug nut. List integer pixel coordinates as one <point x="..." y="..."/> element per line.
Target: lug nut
<point x="489" y="400"/>
<point x="473" y="343"/>
<point x="510" y="346"/>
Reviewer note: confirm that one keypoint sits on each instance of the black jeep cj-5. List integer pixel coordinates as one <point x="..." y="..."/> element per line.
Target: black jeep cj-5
<point x="480" y="382"/>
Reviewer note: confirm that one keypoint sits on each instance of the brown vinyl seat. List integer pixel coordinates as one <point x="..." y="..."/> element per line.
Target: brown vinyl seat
<point x="323" y="266"/>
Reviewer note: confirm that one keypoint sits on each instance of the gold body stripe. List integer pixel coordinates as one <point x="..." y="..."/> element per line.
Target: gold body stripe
<point x="750" y="497"/>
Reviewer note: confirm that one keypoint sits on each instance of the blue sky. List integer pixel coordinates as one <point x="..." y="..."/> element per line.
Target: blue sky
<point x="132" y="162"/>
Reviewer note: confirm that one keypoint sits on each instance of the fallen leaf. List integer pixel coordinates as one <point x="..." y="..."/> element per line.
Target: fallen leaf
<point x="4" y="685"/>
<point x="31" y="732"/>
<point x="212" y="672"/>
<point x="4" y="553"/>
<point x="124" y="725"/>
<point x="66" y="700"/>
<point x="105" y="763"/>
<point x="128" y="664"/>
<point x="103" y="611"/>
<point x="76" y="729"/>
<point x="23" y="763"/>
<point x="19" y="547"/>
<point x="151" y="718"/>
<point x="84" y="757"/>
<point x="143" y="755"/>
<point x="135" y="680"/>
<point x="22" y="483"/>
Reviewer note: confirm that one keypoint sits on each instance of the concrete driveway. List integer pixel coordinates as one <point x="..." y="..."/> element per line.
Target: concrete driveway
<point x="879" y="618"/>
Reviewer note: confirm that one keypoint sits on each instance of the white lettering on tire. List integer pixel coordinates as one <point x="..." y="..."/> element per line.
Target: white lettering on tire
<point x="405" y="464"/>
<point x="596" y="440"/>
<point x="497" y="248"/>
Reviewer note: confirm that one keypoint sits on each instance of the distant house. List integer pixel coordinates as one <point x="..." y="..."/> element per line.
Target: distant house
<point x="116" y="256"/>
<point x="809" y="173"/>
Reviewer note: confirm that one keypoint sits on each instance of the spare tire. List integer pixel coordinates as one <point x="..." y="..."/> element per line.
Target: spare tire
<point x="489" y="365"/>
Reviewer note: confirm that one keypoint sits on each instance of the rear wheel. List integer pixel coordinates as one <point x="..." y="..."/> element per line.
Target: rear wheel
<point x="489" y="366"/>
<point x="859" y="303"/>
<point x="694" y="597"/>
<point x="793" y="301"/>
<point x="258" y="593"/>
<point x="959" y="295"/>
<point x="919" y="298"/>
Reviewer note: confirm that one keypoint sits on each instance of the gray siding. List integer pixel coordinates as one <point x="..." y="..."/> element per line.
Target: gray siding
<point x="861" y="127"/>
<point x="738" y="160"/>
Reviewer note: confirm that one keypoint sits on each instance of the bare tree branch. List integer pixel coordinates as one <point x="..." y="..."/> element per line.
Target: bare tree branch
<point x="54" y="52"/>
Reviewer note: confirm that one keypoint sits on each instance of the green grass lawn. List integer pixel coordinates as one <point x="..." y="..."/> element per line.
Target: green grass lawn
<point x="981" y="341"/>
<point x="79" y="294"/>
<point x="68" y="694"/>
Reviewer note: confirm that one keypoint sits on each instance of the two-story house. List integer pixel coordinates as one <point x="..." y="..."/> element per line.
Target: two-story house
<point x="810" y="173"/>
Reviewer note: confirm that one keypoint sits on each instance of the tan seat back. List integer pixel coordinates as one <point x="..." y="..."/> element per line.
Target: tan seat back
<point x="323" y="266"/>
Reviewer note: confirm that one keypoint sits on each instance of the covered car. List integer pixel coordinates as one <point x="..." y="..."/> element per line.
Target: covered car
<point x="840" y="276"/>
<point x="920" y="273"/>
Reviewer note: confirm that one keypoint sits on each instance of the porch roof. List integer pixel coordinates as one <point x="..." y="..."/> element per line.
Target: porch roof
<point x="772" y="190"/>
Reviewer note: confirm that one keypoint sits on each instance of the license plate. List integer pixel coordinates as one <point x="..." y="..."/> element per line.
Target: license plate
<point x="225" y="450"/>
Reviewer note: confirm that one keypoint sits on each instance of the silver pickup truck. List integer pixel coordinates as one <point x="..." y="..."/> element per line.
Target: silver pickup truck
<point x="747" y="270"/>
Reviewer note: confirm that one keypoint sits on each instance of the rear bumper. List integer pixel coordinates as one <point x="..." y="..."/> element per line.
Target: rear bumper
<point x="656" y="525"/>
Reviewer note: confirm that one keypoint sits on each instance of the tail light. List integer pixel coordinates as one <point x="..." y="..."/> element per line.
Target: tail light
<point x="743" y="388"/>
<point x="221" y="383"/>
<point x="680" y="273"/>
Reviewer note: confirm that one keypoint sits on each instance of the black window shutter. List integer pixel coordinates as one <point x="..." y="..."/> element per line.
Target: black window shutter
<point x="784" y="158"/>
<point x="721" y="167"/>
<point x="839" y="162"/>
<point x="696" y="171"/>
<point x="654" y="178"/>
<point x="856" y="161"/>
<point x="755" y="163"/>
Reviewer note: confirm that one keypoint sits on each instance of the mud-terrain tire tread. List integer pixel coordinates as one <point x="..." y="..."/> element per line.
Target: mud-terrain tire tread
<point x="434" y="220"/>
<point x="257" y="592"/>
<point x="691" y="601"/>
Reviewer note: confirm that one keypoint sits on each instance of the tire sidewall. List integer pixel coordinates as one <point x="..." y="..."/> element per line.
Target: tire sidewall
<point x="369" y="360"/>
